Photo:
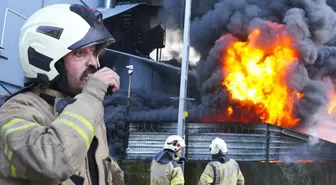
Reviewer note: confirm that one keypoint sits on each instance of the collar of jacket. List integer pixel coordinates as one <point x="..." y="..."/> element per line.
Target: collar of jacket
<point x="164" y="157"/>
<point x="222" y="158"/>
<point x="55" y="98"/>
<point x="49" y="92"/>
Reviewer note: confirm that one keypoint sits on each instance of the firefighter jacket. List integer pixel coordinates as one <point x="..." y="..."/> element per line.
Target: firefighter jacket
<point x="222" y="171"/>
<point x="165" y="171"/>
<point x="47" y="143"/>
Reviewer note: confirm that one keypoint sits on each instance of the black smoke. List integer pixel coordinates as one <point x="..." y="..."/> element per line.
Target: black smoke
<point x="214" y="18"/>
<point x="310" y="22"/>
<point x="146" y="106"/>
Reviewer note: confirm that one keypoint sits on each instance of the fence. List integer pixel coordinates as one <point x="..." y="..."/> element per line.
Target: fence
<point x="246" y="142"/>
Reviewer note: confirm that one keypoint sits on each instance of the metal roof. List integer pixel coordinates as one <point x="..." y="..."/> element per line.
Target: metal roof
<point x="113" y="53"/>
<point x="109" y="12"/>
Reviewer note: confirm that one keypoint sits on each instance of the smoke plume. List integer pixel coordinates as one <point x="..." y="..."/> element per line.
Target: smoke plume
<point x="309" y="22"/>
<point x="217" y="23"/>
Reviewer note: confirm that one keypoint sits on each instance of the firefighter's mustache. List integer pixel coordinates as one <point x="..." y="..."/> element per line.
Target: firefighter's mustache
<point x="88" y="71"/>
<point x="91" y="70"/>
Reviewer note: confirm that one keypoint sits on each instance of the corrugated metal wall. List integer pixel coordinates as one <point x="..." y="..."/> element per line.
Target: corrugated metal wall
<point x="246" y="142"/>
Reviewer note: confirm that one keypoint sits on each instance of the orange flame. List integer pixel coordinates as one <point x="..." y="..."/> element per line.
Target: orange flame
<point x="332" y="103"/>
<point x="255" y="78"/>
<point x="229" y="110"/>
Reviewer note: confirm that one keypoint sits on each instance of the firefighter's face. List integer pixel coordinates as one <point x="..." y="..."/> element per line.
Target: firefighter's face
<point x="178" y="153"/>
<point x="80" y="64"/>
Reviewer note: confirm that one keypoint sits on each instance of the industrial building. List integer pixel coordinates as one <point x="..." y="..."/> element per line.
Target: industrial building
<point x="266" y="153"/>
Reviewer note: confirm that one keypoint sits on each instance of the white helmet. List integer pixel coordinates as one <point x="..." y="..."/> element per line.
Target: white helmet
<point x="56" y="30"/>
<point x="218" y="145"/>
<point x="174" y="143"/>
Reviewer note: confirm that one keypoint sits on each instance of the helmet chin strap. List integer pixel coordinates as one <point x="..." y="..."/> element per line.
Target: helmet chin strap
<point x="177" y="155"/>
<point x="61" y="84"/>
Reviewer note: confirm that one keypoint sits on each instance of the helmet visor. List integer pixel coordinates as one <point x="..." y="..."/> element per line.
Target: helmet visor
<point x="93" y="37"/>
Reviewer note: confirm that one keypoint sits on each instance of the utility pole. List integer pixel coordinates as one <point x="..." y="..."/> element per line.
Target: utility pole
<point x="183" y="113"/>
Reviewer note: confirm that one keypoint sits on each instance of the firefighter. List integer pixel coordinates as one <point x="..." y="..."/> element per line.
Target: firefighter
<point x="221" y="170"/>
<point x="52" y="131"/>
<point x="165" y="167"/>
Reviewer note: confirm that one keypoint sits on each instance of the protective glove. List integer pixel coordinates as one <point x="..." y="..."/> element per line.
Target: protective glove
<point x="181" y="160"/>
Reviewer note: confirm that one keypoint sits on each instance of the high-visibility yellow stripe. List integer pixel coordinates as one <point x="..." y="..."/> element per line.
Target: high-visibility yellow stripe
<point x="177" y="181"/>
<point x="81" y="119"/>
<point x="9" y="131"/>
<point x="6" y="129"/>
<point x="78" y="129"/>
<point x="11" y="123"/>
<point x="10" y="156"/>
<point x="13" y="171"/>
<point x="207" y="178"/>
<point x="22" y="176"/>
<point x="25" y="126"/>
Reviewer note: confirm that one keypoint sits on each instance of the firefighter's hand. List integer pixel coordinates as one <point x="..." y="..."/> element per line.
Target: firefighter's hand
<point x="182" y="159"/>
<point x="109" y="77"/>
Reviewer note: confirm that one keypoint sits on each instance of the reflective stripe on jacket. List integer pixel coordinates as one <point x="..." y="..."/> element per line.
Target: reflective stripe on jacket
<point x="166" y="174"/>
<point x="230" y="174"/>
<point x="38" y="146"/>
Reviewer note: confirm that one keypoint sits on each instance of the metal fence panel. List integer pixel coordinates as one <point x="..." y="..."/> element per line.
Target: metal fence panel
<point x="246" y="142"/>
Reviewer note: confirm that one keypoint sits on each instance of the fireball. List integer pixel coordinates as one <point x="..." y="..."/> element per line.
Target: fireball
<point x="255" y="76"/>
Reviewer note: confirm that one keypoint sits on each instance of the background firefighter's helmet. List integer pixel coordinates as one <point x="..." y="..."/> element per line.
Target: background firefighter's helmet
<point x="54" y="31"/>
<point x="218" y="145"/>
<point x="174" y="143"/>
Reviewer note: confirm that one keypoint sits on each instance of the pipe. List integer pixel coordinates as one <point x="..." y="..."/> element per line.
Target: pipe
<point x="182" y="111"/>
<point x="130" y="72"/>
<point x="4" y="87"/>
<point x="83" y="2"/>
<point x="5" y="22"/>
<point x="109" y="3"/>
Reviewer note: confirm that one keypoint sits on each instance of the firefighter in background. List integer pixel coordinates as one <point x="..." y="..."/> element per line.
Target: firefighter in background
<point x="165" y="167"/>
<point x="221" y="170"/>
<point x="53" y="131"/>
